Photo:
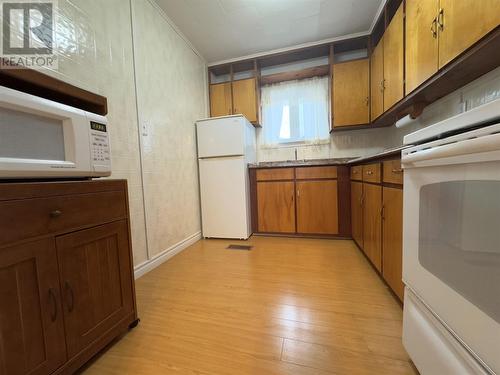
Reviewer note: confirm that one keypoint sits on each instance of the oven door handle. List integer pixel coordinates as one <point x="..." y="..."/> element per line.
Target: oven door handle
<point x="482" y="146"/>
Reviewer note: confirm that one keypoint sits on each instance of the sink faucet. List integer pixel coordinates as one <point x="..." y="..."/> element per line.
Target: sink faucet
<point x="295" y="154"/>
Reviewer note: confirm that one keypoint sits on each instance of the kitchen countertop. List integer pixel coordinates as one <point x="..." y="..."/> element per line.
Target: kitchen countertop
<point x="334" y="161"/>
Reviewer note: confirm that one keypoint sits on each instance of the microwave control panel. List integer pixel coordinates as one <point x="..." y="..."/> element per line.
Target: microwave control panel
<point x="100" y="144"/>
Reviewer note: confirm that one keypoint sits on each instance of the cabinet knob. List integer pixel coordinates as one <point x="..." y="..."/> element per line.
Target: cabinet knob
<point x="369" y="173"/>
<point x="55" y="214"/>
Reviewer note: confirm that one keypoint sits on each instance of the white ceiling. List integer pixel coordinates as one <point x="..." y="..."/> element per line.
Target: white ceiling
<point x="227" y="29"/>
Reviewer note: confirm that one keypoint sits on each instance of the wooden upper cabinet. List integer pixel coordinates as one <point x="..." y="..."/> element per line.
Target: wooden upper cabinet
<point x="351" y="105"/>
<point x="317" y="207"/>
<point x="245" y="98"/>
<point x="31" y="321"/>
<point x="421" y="42"/>
<point x="392" y="235"/>
<point x="377" y="80"/>
<point x="96" y="282"/>
<point x="221" y="103"/>
<point x="357" y="212"/>
<point x="394" y="60"/>
<point x="461" y="23"/>
<point x="372" y="224"/>
<point x="276" y="207"/>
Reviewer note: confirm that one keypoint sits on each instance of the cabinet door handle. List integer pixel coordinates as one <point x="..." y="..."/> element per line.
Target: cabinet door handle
<point x="434" y="28"/>
<point x="298" y="193"/>
<point x="369" y="173"/>
<point x="382" y="212"/>
<point x="55" y="214"/>
<point x="71" y="299"/>
<point x="382" y="86"/>
<point x="367" y="100"/>
<point x="440" y="19"/>
<point x="53" y="298"/>
<point x="397" y="171"/>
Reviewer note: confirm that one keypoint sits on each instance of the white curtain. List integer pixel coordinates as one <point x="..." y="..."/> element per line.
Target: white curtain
<point x="295" y="111"/>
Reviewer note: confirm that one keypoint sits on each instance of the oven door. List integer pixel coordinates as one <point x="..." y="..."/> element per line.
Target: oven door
<point x="452" y="236"/>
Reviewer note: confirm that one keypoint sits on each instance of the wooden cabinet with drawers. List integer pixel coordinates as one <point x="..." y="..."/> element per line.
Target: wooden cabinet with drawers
<point x="377" y="217"/>
<point x="301" y="200"/>
<point x="66" y="277"/>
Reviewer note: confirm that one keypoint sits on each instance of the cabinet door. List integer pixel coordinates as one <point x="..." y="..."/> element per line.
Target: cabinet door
<point x="276" y="207"/>
<point x="317" y="207"/>
<point x="394" y="60"/>
<point x="245" y="98"/>
<point x="94" y="268"/>
<point x="357" y="212"/>
<point x="31" y="323"/>
<point x="464" y="22"/>
<point x="376" y="79"/>
<point x="372" y="224"/>
<point x="392" y="234"/>
<point x="351" y="102"/>
<point x="221" y="103"/>
<point x="421" y="42"/>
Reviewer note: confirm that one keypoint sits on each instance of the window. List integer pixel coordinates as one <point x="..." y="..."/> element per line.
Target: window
<point x="295" y="111"/>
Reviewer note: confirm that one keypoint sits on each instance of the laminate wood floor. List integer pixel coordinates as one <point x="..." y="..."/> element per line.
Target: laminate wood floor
<point x="288" y="306"/>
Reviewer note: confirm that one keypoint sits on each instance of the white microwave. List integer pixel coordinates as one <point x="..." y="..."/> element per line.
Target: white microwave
<point x="40" y="138"/>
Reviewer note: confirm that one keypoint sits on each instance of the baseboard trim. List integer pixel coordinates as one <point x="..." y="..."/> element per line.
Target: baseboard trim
<point x="165" y="255"/>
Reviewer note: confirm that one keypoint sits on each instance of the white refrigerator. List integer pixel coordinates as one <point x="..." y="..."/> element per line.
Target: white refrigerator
<point x="225" y="147"/>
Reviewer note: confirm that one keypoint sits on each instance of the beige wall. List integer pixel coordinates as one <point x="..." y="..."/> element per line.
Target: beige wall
<point x="365" y="142"/>
<point x="171" y="91"/>
<point x="94" y="39"/>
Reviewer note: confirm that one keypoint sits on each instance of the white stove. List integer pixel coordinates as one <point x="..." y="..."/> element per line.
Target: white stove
<point x="451" y="241"/>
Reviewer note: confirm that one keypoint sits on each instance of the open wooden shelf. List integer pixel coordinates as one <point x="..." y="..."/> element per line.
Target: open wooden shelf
<point x="36" y="83"/>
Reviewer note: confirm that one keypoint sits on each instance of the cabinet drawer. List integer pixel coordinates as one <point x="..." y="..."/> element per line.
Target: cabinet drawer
<point x="393" y="173"/>
<point x="304" y="173"/>
<point x="371" y="173"/>
<point x="357" y="173"/>
<point x="21" y="219"/>
<point x="273" y="174"/>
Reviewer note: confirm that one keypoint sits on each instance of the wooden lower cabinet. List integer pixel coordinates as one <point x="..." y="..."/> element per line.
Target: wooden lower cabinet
<point x="31" y="321"/>
<point x="357" y="212"/>
<point x="372" y="224"/>
<point x="306" y="200"/>
<point x="377" y="218"/>
<point x="93" y="266"/>
<point x="392" y="239"/>
<point x="317" y="207"/>
<point x="67" y="291"/>
<point x="276" y="206"/>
